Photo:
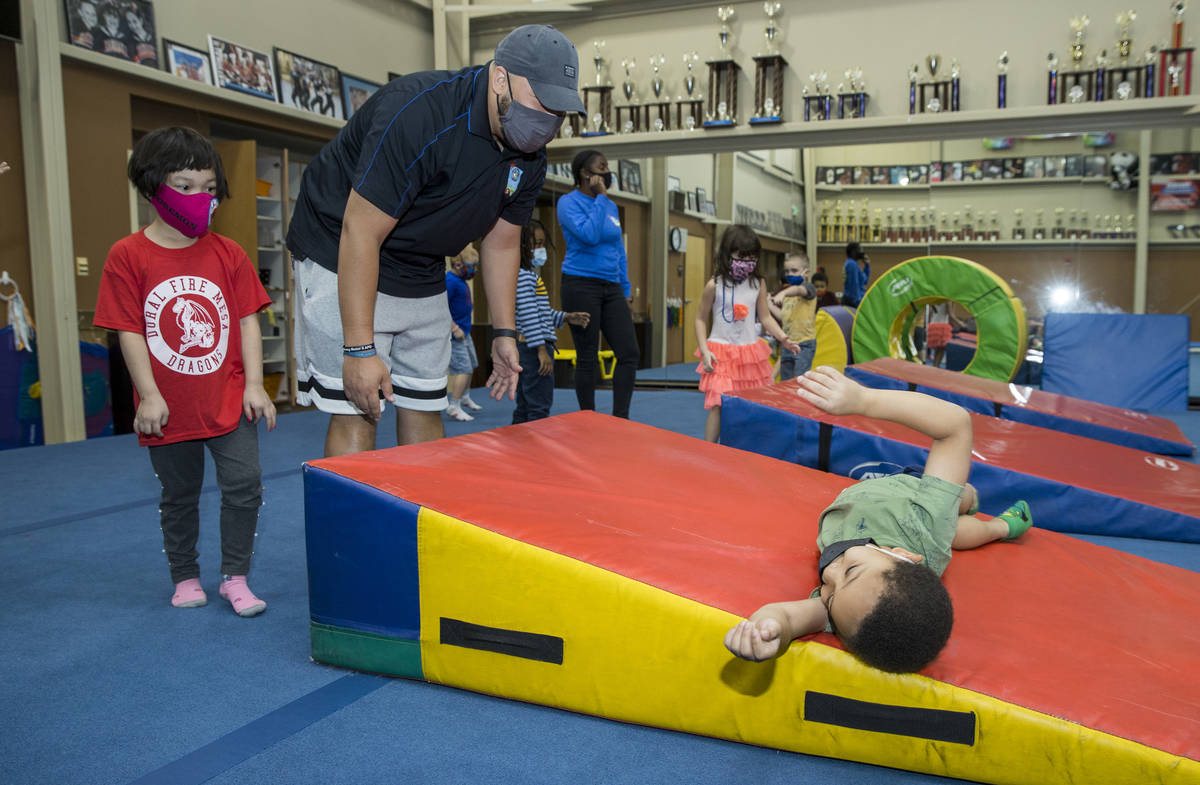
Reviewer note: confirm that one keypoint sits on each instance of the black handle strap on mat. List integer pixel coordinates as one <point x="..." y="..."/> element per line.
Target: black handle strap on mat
<point x="957" y="727"/>
<point x="528" y="645"/>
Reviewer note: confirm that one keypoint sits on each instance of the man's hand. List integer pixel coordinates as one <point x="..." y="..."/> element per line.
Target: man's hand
<point x="827" y="389"/>
<point x="545" y="361"/>
<point x="151" y="417"/>
<point x="256" y="404"/>
<point x="755" y="640"/>
<point x="362" y="379"/>
<point x="578" y="318"/>
<point x="506" y="364"/>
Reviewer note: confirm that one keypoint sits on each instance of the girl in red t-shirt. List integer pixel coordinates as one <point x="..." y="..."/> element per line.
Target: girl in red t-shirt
<point x="184" y="302"/>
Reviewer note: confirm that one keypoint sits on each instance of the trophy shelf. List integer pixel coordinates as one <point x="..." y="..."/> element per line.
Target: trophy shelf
<point x="1137" y="114"/>
<point x="1119" y="243"/>
<point x="976" y="183"/>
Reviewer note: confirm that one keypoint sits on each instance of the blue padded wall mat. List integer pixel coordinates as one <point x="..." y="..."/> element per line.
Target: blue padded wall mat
<point x="1137" y="361"/>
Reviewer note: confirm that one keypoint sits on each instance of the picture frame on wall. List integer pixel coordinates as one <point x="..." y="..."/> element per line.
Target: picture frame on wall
<point x="630" y="173"/>
<point x="308" y="84"/>
<point x="124" y="30"/>
<point x="237" y="67"/>
<point x="673" y="183"/>
<point x="355" y="92"/>
<point x="186" y="62"/>
<point x="691" y="201"/>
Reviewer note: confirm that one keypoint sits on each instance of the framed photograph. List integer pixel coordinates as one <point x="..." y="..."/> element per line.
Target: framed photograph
<point x="993" y="168"/>
<point x="239" y="68"/>
<point x="1160" y="163"/>
<point x="123" y="30"/>
<point x="1056" y="165"/>
<point x="953" y="171"/>
<point x="859" y="176"/>
<point x="308" y="84"/>
<point x="1074" y="166"/>
<point x="842" y="175"/>
<point x="630" y="173"/>
<point x="708" y="208"/>
<point x="355" y="92"/>
<point x="1035" y="166"/>
<point x="1014" y="168"/>
<point x="672" y="183"/>
<point x="1183" y="163"/>
<point x="691" y="201"/>
<point x="918" y="175"/>
<point x="186" y="62"/>
<point x="899" y="175"/>
<point x="880" y="175"/>
<point x="701" y="197"/>
<point x="1095" y="166"/>
<point x="935" y="172"/>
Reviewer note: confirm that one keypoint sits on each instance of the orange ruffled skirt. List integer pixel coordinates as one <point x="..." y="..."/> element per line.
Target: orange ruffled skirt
<point x="738" y="367"/>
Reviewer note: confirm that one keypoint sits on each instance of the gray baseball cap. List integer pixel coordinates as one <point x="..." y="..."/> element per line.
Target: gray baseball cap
<point x="548" y="59"/>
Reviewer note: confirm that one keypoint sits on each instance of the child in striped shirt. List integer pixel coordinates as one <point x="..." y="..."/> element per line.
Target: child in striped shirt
<point x="536" y="323"/>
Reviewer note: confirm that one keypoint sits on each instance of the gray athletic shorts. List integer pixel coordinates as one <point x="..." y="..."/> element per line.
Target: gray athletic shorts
<point x="462" y="356"/>
<point x="412" y="336"/>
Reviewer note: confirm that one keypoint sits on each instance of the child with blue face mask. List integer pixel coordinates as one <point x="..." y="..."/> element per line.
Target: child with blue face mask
<point x="885" y="542"/>
<point x="795" y="307"/>
<point x="536" y="323"/>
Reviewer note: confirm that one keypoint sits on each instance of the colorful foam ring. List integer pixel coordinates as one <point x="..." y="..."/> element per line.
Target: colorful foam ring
<point x="884" y="322"/>
<point x="834" y="324"/>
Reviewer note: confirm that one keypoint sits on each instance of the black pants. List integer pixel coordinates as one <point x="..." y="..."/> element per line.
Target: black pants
<point x="535" y="393"/>
<point x="610" y="314"/>
<point x="180" y="469"/>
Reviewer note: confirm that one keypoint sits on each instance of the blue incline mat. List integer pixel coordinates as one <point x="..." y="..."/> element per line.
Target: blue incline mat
<point x="1072" y="484"/>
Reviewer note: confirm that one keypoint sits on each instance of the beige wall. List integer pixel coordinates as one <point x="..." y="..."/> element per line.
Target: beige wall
<point x="366" y="38"/>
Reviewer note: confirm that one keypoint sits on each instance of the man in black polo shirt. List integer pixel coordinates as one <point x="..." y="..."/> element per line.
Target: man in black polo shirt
<point x="429" y="163"/>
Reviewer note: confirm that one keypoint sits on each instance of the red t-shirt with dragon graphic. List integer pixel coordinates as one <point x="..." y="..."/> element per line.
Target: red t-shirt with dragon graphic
<point x="188" y="303"/>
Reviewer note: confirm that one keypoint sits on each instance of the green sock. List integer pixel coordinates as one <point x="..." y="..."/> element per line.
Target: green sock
<point x="1018" y="519"/>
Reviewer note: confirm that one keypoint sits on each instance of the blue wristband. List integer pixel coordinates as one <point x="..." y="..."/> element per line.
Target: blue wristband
<point x="359" y="351"/>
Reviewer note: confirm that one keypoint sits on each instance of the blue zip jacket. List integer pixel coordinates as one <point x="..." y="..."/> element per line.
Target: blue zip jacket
<point x="856" y="282"/>
<point x="592" y="228"/>
<point x="458" y="297"/>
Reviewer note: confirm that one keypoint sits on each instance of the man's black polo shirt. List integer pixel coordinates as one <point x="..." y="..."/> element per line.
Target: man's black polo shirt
<point x="421" y="150"/>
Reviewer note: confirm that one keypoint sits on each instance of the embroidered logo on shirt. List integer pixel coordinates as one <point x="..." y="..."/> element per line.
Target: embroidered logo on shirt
<point x="616" y="221"/>
<point x="514" y="180"/>
<point x="187" y="325"/>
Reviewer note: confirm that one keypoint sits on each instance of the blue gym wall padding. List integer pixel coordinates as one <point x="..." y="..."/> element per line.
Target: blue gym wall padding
<point x="1138" y="361"/>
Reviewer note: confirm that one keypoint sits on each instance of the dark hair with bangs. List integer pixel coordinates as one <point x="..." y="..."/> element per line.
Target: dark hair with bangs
<point x="582" y="160"/>
<point x="739" y="239"/>
<point x="165" y="150"/>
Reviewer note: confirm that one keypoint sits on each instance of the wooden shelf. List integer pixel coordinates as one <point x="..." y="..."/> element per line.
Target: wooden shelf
<point x="923" y="187"/>
<point x="999" y="244"/>
<point x="1137" y="114"/>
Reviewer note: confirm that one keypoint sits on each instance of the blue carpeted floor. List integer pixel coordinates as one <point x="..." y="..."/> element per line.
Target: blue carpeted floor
<point x="106" y="683"/>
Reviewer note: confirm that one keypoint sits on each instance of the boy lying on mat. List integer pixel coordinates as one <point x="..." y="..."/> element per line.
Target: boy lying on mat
<point x="885" y="542"/>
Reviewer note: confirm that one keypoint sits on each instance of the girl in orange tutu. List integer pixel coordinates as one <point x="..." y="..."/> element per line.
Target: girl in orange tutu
<point x="732" y="356"/>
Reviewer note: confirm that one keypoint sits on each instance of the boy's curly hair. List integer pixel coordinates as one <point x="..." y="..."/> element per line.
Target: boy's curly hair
<point x="909" y="625"/>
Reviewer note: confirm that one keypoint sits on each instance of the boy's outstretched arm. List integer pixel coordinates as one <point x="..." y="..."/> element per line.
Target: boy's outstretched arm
<point x="771" y="628"/>
<point x="947" y="424"/>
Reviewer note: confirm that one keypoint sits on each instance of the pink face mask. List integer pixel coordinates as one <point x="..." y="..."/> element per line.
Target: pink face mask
<point x="188" y="213"/>
<point x="740" y="269"/>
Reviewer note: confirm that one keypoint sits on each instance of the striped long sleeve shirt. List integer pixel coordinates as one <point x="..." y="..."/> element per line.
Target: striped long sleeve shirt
<point x="536" y="320"/>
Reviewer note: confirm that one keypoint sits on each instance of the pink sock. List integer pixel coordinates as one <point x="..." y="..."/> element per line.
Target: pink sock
<point x="189" y="594"/>
<point x="234" y="589"/>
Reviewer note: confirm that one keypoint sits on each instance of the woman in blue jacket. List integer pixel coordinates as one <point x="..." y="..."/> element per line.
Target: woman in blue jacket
<point x="596" y="280"/>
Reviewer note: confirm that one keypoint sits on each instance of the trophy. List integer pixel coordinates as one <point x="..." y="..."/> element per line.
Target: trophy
<point x="1084" y="232"/>
<point x="856" y="97"/>
<point x="721" y="109"/>
<point x="689" y="103"/>
<point x="935" y="95"/>
<point x="768" y="74"/>
<point x="1059" y="232"/>
<point x="955" y="85"/>
<point x="1052" y="79"/>
<point x="968" y="226"/>
<point x="1149" y="67"/>
<point x="1131" y="226"/>
<point x="1073" y="225"/>
<point x="1039" y="231"/>
<point x="658" y="111"/>
<point x="1018" y="231"/>
<point x="629" y="116"/>
<point x="1175" y="62"/>
<point x="817" y="96"/>
<point x="994" y="234"/>
<point x="1002" y="80"/>
<point x="877" y="226"/>
<point x="1124" y="79"/>
<point x="864" y="223"/>
<point x="1101" y="70"/>
<point x="597" y="98"/>
<point x="1078" y="85"/>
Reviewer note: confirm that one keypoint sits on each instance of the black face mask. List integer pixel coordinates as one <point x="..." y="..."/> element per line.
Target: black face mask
<point x="835" y="550"/>
<point x="607" y="177"/>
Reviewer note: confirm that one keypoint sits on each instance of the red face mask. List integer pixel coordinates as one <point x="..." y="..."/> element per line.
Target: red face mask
<point x="188" y="213"/>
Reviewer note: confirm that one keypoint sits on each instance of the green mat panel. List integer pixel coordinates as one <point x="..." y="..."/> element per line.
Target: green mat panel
<point x="365" y="651"/>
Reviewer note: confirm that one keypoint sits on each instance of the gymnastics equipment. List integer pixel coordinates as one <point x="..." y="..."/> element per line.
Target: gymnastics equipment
<point x="1072" y="483"/>
<point x="1137" y="361"/>
<point x="1028" y="405"/>
<point x="567" y="594"/>
<point x="834" y="324"/>
<point x="883" y="325"/>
